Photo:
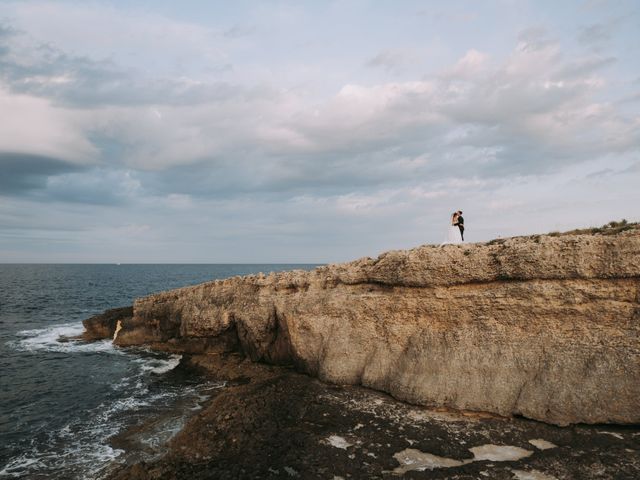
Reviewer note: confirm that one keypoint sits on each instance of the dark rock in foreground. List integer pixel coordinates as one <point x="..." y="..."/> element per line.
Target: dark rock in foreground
<point x="273" y="423"/>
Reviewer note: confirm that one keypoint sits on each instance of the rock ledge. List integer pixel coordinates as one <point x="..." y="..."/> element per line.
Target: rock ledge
<point x="546" y="327"/>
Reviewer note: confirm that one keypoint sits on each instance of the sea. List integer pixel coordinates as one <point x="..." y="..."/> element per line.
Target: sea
<point x="62" y="402"/>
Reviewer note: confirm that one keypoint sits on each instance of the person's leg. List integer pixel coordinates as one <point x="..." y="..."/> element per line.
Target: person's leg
<point x="461" y="232"/>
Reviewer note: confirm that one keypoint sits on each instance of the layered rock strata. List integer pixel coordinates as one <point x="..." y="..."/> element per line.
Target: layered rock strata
<point x="543" y="327"/>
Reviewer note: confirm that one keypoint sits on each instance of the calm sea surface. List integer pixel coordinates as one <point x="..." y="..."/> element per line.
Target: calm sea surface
<point x="60" y="402"/>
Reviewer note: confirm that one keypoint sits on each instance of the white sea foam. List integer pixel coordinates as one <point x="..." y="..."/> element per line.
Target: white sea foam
<point x="160" y="365"/>
<point x="16" y="467"/>
<point x="91" y="460"/>
<point x="57" y="338"/>
<point x="85" y="437"/>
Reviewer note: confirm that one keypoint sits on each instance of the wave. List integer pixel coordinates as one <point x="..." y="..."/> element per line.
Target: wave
<point x="59" y="338"/>
<point x="159" y="366"/>
<point x="85" y="437"/>
<point x="87" y="453"/>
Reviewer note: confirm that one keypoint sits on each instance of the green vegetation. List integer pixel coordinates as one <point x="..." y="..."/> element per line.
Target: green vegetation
<point x="497" y="241"/>
<point x="611" y="228"/>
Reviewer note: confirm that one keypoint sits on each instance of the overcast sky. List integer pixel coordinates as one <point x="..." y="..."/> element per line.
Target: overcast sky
<point x="287" y="131"/>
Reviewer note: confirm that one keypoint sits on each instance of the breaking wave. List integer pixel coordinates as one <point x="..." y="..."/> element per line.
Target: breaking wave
<point x="59" y="338"/>
<point x="80" y="447"/>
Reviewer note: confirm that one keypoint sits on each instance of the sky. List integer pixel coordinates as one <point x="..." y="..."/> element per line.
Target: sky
<point x="309" y="131"/>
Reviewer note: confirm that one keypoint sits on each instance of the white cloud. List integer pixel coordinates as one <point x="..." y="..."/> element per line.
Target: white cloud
<point x="476" y="114"/>
<point x="470" y="66"/>
<point x="535" y="99"/>
<point x="132" y="37"/>
<point x="33" y="125"/>
<point x="277" y="135"/>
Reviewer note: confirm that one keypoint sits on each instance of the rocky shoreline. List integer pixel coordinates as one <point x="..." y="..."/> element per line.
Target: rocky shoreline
<point x="319" y="364"/>
<point x="271" y="422"/>
<point x="546" y="327"/>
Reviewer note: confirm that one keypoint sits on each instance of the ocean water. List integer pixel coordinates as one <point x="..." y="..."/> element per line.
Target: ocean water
<point x="62" y="401"/>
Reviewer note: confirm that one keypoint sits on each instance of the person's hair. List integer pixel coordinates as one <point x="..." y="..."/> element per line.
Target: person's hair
<point x="459" y="212"/>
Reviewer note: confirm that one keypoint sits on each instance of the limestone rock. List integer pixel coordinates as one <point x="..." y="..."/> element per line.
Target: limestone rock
<point x="104" y="325"/>
<point x="546" y="327"/>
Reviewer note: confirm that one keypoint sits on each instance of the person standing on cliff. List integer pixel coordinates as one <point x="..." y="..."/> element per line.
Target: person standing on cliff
<point x="452" y="237"/>
<point x="460" y="223"/>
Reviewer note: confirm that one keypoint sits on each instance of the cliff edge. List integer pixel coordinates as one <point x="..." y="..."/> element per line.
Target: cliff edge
<point x="546" y="327"/>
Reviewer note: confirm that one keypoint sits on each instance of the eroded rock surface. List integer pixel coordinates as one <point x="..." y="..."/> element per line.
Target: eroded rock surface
<point x="544" y="327"/>
<point x="272" y="423"/>
<point x="104" y="325"/>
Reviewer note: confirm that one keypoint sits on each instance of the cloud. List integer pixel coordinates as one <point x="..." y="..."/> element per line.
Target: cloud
<point x="451" y="16"/>
<point x="97" y="186"/>
<point x="480" y="114"/>
<point x="584" y="67"/>
<point x="599" y="36"/>
<point x="530" y="113"/>
<point x="30" y="67"/>
<point x="238" y="31"/>
<point x="25" y="172"/>
<point x="388" y="60"/>
<point x="472" y="65"/>
<point x="129" y="37"/>
<point x="35" y="126"/>
<point x="534" y="37"/>
<point x="595" y="34"/>
<point x="158" y="132"/>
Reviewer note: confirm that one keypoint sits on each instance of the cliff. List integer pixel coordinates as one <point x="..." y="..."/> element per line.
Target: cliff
<point x="546" y="327"/>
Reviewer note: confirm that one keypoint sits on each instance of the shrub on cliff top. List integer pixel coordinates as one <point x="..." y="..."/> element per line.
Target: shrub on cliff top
<point x="611" y="228"/>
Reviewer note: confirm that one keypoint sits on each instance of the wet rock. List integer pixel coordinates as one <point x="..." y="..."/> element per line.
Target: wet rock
<point x="279" y="422"/>
<point x="103" y="326"/>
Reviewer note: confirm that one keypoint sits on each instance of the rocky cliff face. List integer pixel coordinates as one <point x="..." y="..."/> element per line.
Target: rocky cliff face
<point x="544" y="327"/>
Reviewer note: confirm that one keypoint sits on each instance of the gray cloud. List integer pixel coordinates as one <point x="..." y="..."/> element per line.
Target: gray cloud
<point x="282" y="178"/>
<point x="535" y="38"/>
<point x="225" y="167"/>
<point x="6" y="32"/>
<point x="216" y="138"/>
<point x="584" y="67"/>
<point x="45" y="179"/>
<point x="596" y="34"/>
<point x="96" y="186"/>
<point x="238" y="142"/>
<point x="23" y="173"/>
<point x="80" y="81"/>
<point x="633" y="98"/>
<point x="238" y="31"/>
<point x="388" y="60"/>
